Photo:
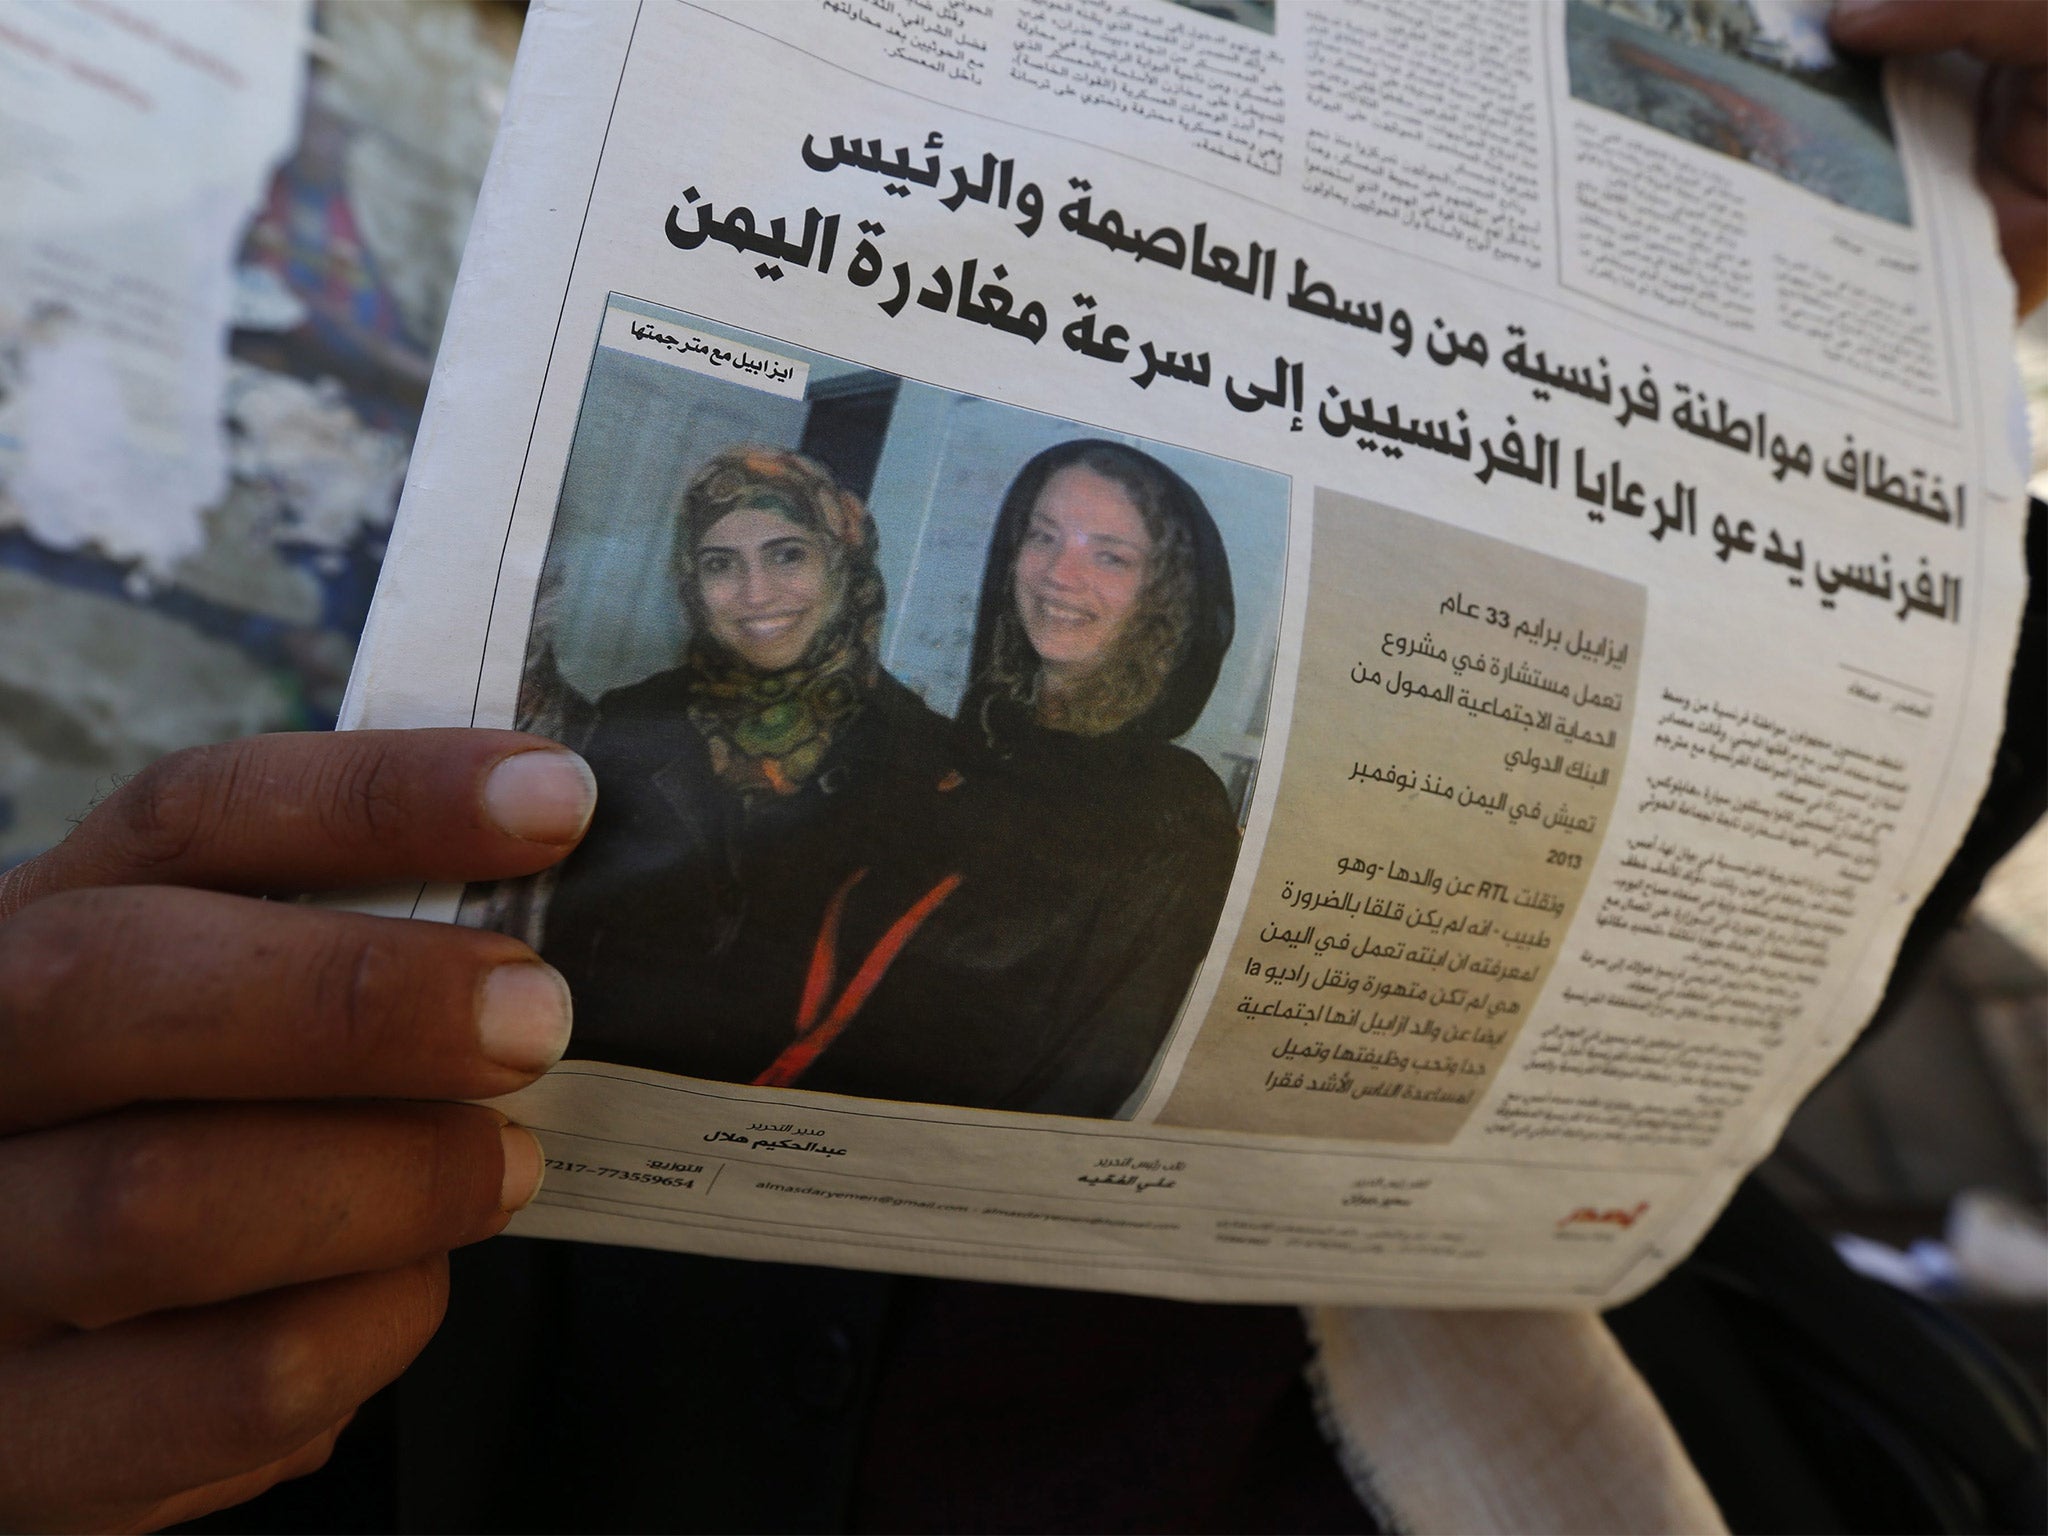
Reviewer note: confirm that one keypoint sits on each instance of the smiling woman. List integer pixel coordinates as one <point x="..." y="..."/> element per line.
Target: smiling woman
<point x="741" y="790"/>
<point x="1080" y="571"/>
<point x="761" y="578"/>
<point x="1094" y="852"/>
<point x="1107" y="600"/>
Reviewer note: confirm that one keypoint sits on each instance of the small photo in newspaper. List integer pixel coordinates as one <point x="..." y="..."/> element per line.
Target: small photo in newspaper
<point x="1755" y="80"/>
<point x="925" y="726"/>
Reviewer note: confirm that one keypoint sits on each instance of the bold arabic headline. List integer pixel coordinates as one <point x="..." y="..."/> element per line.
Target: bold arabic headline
<point x="1599" y="480"/>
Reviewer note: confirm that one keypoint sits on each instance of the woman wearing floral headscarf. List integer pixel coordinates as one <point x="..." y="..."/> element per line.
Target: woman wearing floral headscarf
<point x="747" y="792"/>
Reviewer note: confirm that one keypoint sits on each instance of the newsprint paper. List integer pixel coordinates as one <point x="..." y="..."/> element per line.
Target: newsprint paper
<point x="1311" y="654"/>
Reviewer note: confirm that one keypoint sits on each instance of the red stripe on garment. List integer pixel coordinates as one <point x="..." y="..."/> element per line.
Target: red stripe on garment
<point x="824" y="958"/>
<point x="797" y="1057"/>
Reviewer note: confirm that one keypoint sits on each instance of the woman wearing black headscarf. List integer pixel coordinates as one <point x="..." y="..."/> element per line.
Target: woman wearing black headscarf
<point x="744" y="792"/>
<point x="1091" y="854"/>
<point x="1106" y="612"/>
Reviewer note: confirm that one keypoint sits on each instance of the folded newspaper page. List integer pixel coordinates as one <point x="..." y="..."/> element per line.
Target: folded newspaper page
<point x="1293" y="652"/>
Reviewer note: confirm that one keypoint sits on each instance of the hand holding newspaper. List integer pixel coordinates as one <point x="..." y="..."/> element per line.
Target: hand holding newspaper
<point x="1316" y="662"/>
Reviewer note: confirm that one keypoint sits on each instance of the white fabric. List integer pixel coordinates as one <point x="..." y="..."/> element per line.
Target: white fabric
<point x="1472" y="1422"/>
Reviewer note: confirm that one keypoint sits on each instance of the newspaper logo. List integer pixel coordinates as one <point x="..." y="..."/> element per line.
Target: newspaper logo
<point x="1613" y="1216"/>
<point x="713" y="356"/>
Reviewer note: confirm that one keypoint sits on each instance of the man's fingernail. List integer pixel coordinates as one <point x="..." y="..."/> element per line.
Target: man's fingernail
<point x="523" y="1167"/>
<point x="524" y="1015"/>
<point x="542" y="797"/>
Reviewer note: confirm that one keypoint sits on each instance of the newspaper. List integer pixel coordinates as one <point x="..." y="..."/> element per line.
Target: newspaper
<point x="1291" y="652"/>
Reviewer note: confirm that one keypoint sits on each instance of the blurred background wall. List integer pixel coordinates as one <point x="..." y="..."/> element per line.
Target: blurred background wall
<point x="228" y="234"/>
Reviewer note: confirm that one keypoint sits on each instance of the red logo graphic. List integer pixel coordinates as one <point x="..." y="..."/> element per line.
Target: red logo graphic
<point x="1587" y="1216"/>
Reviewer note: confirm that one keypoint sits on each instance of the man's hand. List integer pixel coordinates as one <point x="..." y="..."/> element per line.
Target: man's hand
<point x="227" y="1189"/>
<point x="2012" y="125"/>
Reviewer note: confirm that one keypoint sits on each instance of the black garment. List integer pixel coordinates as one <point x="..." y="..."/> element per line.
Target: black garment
<point x="1079" y="883"/>
<point x="1091" y="869"/>
<point x="686" y="921"/>
<point x="581" y="1388"/>
<point x="1090" y="875"/>
<point x="1813" y="1399"/>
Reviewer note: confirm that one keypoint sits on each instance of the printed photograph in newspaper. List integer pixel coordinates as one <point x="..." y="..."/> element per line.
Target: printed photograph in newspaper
<point x="1756" y="80"/>
<point x="924" y="725"/>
